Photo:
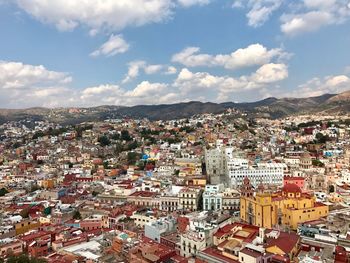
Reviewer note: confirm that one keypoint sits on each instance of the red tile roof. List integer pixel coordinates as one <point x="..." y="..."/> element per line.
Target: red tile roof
<point x="280" y="242"/>
<point x="291" y="188"/>
<point x="217" y="254"/>
<point x="144" y="194"/>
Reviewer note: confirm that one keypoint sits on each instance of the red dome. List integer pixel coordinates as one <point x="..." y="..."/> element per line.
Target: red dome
<point x="291" y="188"/>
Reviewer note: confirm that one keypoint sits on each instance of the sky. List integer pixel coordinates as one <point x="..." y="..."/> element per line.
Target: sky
<point x="82" y="53"/>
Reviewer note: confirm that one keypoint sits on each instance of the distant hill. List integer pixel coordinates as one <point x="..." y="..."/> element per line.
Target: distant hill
<point x="342" y="97"/>
<point x="269" y="107"/>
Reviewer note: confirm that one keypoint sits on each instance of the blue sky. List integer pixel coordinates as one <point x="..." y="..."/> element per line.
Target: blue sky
<point x="127" y="52"/>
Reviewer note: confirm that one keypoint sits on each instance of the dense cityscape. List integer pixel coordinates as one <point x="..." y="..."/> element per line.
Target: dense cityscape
<point x="174" y="131"/>
<point x="211" y="188"/>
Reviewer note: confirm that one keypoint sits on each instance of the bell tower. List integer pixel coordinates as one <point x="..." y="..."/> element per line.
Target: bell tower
<point x="247" y="188"/>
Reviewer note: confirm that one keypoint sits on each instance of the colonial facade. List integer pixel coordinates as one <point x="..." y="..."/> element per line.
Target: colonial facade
<point x="288" y="207"/>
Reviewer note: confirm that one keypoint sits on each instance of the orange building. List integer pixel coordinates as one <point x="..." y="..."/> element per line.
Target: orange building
<point x="287" y="207"/>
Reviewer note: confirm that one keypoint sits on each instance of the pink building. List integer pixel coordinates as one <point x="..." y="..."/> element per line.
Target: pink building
<point x="299" y="181"/>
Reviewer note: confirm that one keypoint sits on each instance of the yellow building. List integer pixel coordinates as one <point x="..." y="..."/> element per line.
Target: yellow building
<point x="48" y="183"/>
<point x="288" y="207"/>
<point x="26" y="225"/>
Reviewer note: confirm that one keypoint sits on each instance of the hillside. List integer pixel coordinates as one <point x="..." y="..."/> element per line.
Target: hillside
<point x="269" y="107"/>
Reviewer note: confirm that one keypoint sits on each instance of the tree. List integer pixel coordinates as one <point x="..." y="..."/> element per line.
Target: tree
<point x="133" y="157"/>
<point x="118" y="148"/>
<point x="16" y="145"/>
<point x="24" y="213"/>
<point x="3" y="191"/>
<point x="199" y="125"/>
<point x="24" y="259"/>
<point x="77" y="215"/>
<point x="133" y="145"/>
<point x="125" y="136"/>
<point x="322" y="138"/>
<point x="34" y="188"/>
<point x="38" y="134"/>
<point x="317" y="162"/>
<point x="47" y="210"/>
<point x="115" y="136"/>
<point x="104" y="141"/>
<point x="141" y="165"/>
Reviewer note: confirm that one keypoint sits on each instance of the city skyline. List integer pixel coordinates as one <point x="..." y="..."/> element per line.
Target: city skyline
<point x="82" y="53"/>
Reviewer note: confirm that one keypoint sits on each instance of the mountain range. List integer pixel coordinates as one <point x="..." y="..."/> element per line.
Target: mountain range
<point x="269" y="108"/>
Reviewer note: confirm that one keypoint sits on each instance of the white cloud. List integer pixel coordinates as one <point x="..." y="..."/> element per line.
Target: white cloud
<point x="315" y="14"/>
<point x="115" y="45"/>
<point x="15" y="75"/>
<point x="171" y="70"/>
<point x="270" y="73"/>
<point x="190" y="58"/>
<point x="146" y="88"/>
<point x="188" y="3"/>
<point x="102" y="15"/>
<point x="98" y="15"/>
<point x="259" y="10"/>
<point x="144" y="93"/>
<point x="152" y="69"/>
<point x="189" y="83"/>
<point x="320" y="3"/>
<point x="319" y="86"/>
<point x="27" y="85"/>
<point x="135" y="67"/>
<point x="98" y="90"/>
<point x="24" y="85"/>
<point x="253" y="55"/>
<point x="308" y="22"/>
<point x="134" y="70"/>
<point x="301" y="16"/>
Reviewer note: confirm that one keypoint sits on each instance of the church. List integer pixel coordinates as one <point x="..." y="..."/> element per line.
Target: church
<point x="287" y="207"/>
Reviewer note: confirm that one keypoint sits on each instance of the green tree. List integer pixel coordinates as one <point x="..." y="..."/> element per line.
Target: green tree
<point x="3" y="191"/>
<point x="133" y="145"/>
<point x="76" y="215"/>
<point x="317" y="162"/>
<point x="16" y="145"/>
<point x="199" y="125"/>
<point x="133" y="157"/>
<point x="118" y="148"/>
<point x="141" y="165"/>
<point x="47" y="210"/>
<point x="125" y="136"/>
<point x="115" y="136"/>
<point x="38" y="134"/>
<point x="104" y="140"/>
<point x="24" y="259"/>
<point x="322" y="138"/>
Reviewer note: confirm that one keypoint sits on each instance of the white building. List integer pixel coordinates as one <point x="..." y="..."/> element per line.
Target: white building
<point x="216" y="162"/>
<point x="230" y="199"/>
<point x="222" y="161"/>
<point x="212" y="197"/>
<point x="266" y="173"/>
<point x="198" y="235"/>
<point x="143" y="218"/>
<point x="155" y="229"/>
